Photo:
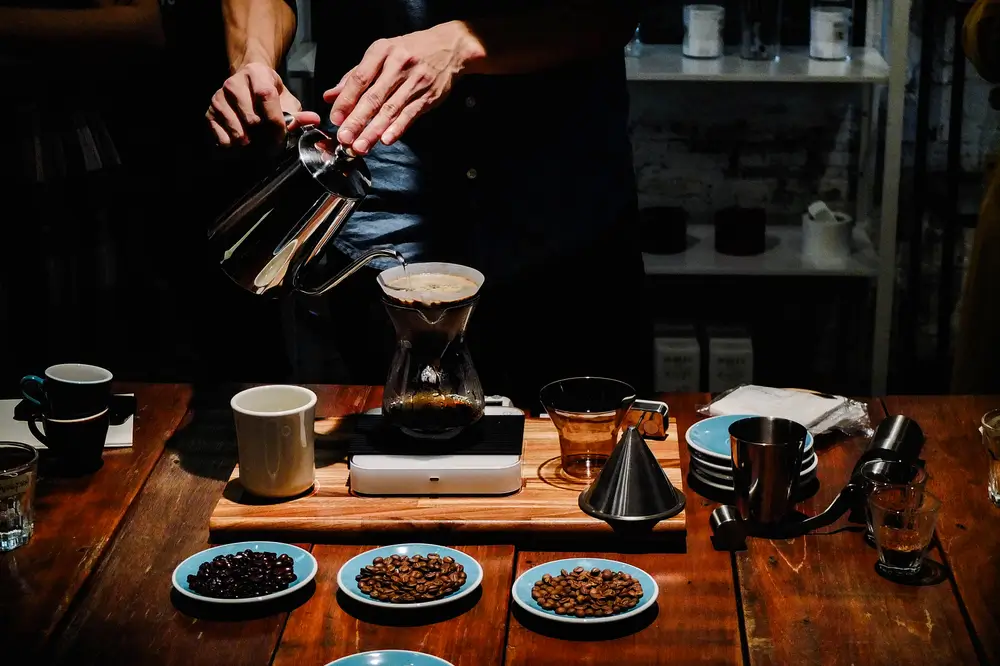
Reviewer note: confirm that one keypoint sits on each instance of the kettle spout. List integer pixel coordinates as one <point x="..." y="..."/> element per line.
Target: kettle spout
<point x="352" y="269"/>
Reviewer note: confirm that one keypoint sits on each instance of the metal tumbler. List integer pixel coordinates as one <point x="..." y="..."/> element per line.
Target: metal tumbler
<point x="767" y="457"/>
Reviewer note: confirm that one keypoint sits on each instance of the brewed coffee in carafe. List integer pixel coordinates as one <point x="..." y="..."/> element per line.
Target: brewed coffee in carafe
<point x="433" y="389"/>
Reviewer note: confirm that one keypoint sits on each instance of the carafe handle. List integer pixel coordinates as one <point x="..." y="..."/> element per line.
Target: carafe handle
<point x="653" y="415"/>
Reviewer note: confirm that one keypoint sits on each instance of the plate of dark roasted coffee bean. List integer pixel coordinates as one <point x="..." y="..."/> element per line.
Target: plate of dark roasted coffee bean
<point x="244" y="572"/>
<point x="585" y="590"/>
<point x="410" y="575"/>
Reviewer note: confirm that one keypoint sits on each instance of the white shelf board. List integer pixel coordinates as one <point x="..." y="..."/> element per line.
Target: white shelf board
<point x="783" y="256"/>
<point x="665" y="62"/>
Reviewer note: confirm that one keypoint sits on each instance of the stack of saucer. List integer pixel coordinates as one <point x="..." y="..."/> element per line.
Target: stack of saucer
<point x="711" y="454"/>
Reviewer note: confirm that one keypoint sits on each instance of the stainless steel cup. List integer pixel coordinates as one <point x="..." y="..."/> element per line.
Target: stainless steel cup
<point x="767" y="458"/>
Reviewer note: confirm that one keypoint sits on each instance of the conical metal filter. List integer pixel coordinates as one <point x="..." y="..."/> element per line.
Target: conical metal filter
<point x="632" y="486"/>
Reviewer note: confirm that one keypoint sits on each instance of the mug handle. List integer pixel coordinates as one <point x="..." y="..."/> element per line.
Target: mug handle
<point x="29" y="381"/>
<point x="33" y="427"/>
<point x="657" y="414"/>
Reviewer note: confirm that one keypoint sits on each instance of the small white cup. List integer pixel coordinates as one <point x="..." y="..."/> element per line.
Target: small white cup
<point x="274" y="434"/>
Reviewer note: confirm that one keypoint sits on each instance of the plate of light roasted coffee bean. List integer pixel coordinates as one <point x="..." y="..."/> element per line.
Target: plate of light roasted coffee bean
<point x="409" y="575"/>
<point x="244" y="572"/>
<point x="585" y="590"/>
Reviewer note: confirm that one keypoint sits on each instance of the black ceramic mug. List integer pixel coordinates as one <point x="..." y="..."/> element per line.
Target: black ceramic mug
<point x="69" y="390"/>
<point x="77" y="443"/>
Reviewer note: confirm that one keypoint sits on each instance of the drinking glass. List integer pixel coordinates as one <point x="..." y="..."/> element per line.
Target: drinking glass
<point x="761" y="25"/>
<point x="18" y="475"/>
<point x="588" y="413"/>
<point x="889" y="474"/>
<point x="991" y="438"/>
<point x="903" y="522"/>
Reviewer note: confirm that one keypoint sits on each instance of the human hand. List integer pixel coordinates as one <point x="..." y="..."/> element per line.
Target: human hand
<point x="253" y="100"/>
<point x="397" y="80"/>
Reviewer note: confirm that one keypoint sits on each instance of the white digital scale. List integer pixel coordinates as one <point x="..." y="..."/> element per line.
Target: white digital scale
<point x="427" y="475"/>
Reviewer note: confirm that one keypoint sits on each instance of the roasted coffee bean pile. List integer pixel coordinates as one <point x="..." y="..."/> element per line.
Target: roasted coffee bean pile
<point x="401" y="579"/>
<point x="244" y="574"/>
<point x="583" y="593"/>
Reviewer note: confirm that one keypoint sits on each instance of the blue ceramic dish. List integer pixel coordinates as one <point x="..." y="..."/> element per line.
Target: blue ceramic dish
<point x="709" y="439"/>
<point x="347" y="583"/>
<point x="526" y="581"/>
<point x="305" y="568"/>
<point x="390" y="658"/>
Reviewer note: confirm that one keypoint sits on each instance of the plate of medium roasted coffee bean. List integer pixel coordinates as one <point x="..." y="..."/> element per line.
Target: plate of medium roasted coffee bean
<point x="244" y="572"/>
<point x="409" y="575"/>
<point x="585" y="590"/>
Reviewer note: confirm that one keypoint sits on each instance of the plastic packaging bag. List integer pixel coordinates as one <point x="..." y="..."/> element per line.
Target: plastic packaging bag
<point x="818" y="412"/>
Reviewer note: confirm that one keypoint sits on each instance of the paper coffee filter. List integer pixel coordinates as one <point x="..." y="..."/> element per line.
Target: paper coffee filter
<point x="457" y="293"/>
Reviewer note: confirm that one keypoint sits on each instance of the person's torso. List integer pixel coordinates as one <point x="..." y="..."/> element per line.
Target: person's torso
<point x="509" y="170"/>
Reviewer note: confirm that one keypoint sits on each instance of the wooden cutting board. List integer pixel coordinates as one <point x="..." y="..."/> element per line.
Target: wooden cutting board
<point x="546" y="505"/>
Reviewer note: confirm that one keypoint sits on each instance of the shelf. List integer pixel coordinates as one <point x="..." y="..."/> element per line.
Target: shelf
<point x="783" y="257"/>
<point x="664" y="62"/>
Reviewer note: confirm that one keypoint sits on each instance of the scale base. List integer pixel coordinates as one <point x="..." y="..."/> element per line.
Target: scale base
<point x="435" y="475"/>
<point x="494" y="473"/>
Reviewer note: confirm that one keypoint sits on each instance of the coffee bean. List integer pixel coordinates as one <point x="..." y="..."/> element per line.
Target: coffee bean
<point x="408" y="579"/>
<point x="241" y="575"/>
<point x="583" y="593"/>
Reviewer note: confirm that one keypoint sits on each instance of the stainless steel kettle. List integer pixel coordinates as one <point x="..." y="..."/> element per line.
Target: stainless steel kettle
<point x="281" y="225"/>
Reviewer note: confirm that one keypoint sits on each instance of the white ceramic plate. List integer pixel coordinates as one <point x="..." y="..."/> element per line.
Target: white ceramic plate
<point x="347" y="583"/>
<point x="305" y="568"/>
<point x="521" y="590"/>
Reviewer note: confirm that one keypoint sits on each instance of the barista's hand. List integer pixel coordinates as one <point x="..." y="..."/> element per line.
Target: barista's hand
<point x="252" y="100"/>
<point x="397" y="80"/>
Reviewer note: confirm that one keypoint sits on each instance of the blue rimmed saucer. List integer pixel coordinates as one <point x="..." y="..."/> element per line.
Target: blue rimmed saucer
<point x="709" y="439"/>
<point x="390" y="658"/>
<point x="522" y="587"/>
<point x="347" y="583"/>
<point x="305" y="569"/>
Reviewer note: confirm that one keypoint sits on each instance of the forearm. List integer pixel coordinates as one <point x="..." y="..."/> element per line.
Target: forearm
<point x="133" y="27"/>
<point x="550" y="36"/>
<point x="257" y="31"/>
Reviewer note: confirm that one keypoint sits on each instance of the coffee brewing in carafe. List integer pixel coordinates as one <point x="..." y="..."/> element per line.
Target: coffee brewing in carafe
<point x="432" y="390"/>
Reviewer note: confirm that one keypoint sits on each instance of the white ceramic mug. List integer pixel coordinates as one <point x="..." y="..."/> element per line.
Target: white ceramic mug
<point x="274" y="433"/>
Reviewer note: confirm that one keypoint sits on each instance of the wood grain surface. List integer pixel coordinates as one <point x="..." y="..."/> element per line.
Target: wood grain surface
<point x="547" y="503"/>
<point x="75" y="520"/>
<point x="968" y="527"/>
<point x="468" y="632"/>
<point x="130" y="615"/>
<point x="695" y="621"/>
<point x="817" y="599"/>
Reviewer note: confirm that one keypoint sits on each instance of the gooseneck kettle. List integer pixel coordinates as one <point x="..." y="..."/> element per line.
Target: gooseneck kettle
<point x="265" y="239"/>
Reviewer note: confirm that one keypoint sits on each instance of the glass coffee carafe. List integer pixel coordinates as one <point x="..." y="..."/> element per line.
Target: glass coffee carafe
<point x="432" y="390"/>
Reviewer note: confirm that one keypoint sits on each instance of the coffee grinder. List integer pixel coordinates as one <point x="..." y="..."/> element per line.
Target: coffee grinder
<point x="767" y="454"/>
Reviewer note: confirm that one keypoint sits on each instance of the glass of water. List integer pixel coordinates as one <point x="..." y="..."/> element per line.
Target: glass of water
<point x="18" y="475"/>
<point x="991" y="439"/>
<point x="877" y="474"/>
<point x="903" y="523"/>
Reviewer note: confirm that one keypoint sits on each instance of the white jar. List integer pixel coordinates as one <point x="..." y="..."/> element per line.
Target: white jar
<point x="703" y="31"/>
<point x="830" y="29"/>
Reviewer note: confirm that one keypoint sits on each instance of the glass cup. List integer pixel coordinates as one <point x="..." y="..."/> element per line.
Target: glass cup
<point x="877" y="474"/>
<point x="18" y="475"/>
<point x="588" y="413"/>
<point x="991" y="439"/>
<point x="903" y="522"/>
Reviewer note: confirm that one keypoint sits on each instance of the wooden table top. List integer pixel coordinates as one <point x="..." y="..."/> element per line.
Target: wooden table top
<point x="93" y="585"/>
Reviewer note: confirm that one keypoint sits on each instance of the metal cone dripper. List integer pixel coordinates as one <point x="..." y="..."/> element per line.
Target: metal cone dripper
<point x="632" y="487"/>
